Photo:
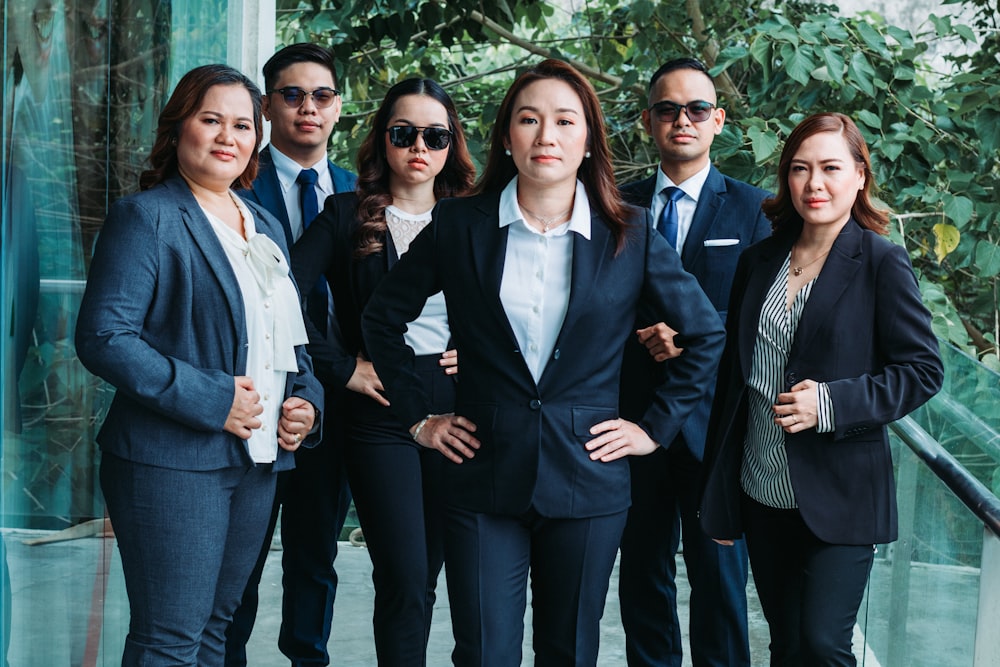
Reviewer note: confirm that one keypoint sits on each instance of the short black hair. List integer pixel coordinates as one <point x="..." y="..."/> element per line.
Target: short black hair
<point x="676" y="64"/>
<point x="303" y="52"/>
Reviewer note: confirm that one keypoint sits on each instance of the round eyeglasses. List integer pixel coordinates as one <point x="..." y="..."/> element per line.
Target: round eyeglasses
<point x="295" y="96"/>
<point x="668" y="112"/>
<point x="404" y="136"/>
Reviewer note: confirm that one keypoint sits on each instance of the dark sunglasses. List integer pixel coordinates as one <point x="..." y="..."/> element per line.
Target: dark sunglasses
<point x="668" y="112"/>
<point x="404" y="136"/>
<point x="295" y="96"/>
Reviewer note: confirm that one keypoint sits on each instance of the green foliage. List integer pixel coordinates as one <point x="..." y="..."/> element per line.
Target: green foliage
<point x="934" y="136"/>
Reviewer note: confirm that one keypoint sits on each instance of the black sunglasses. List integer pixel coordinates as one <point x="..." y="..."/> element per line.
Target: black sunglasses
<point x="404" y="136"/>
<point x="295" y="96"/>
<point x="668" y="112"/>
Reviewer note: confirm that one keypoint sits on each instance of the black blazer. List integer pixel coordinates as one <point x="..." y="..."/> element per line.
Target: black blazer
<point x="326" y="248"/>
<point x="728" y="210"/>
<point x="532" y="435"/>
<point x="865" y="332"/>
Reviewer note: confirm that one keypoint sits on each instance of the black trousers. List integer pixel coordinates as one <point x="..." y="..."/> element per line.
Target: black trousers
<point x="809" y="590"/>
<point x="397" y="487"/>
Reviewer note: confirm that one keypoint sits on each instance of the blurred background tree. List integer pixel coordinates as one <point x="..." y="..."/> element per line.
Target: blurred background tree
<point x="926" y="100"/>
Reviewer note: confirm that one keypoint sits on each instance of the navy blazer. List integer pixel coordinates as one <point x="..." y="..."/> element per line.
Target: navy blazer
<point x="162" y="320"/>
<point x="533" y="435"/>
<point x="727" y="209"/>
<point x="266" y="190"/>
<point x="866" y="333"/>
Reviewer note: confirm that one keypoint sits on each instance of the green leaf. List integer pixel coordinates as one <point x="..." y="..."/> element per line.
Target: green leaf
<point x="958" y="209"/>
<point x="834" y="62"/>
<point x="870" y="119"/>
<point x="764" y="143"/>
<point x="861" y="71"/>
<point x="760" y="50"/>
<point x="872" y="38"/>
<point x="988" y="129"/>
<point x="987" y="259"/>
<point x="798" y="63"/>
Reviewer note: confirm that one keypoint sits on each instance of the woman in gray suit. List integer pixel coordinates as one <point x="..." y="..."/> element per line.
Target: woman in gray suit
<point x="191" y="315"/>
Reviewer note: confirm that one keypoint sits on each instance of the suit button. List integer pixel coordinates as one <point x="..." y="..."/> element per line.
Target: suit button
<point x="555" y="353"/>
<point x="535" y="404"/>
<point x="791" y="378"/>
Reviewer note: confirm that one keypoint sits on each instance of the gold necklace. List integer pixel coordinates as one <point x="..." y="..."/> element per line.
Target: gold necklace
<point x="797" y="270"/>
<point x="549" y="221"/>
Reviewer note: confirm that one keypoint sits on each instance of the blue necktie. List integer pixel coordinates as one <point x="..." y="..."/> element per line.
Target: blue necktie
<point x="316" y="300"/>
<point x="668" y="217"/>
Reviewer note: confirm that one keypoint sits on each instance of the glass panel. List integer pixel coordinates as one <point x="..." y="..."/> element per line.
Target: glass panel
<point x="83" y="82"/>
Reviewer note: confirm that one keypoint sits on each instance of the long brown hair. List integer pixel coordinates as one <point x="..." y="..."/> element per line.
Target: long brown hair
<point x="780" y="210"/>
<point x="184" y="102"/>
<point x="596" y="172"/>
<point x="455" y="179"/>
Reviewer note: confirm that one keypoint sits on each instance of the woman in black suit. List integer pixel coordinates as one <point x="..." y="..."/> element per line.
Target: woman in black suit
<point x="414" y="154"/>
<point x="542" y="271"/>
<point x="828" y="342"/>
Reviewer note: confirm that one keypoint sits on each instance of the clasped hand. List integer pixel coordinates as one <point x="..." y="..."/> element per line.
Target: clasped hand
<point x="297" y="415"/>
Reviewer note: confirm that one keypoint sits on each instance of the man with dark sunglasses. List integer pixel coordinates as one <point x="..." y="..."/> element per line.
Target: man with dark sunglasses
<point x="709" y="219"/>
<point x="302" y="103"/>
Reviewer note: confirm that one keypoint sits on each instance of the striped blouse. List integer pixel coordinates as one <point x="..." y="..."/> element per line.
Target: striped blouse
<point x="764" y="474"/>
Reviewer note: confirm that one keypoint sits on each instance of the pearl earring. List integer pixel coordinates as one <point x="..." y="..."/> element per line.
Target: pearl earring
<point x="587" y="154"/>
<point x="507" y="152"/>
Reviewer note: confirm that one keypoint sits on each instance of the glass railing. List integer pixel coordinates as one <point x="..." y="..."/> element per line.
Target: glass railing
<point x="934" y="594"/>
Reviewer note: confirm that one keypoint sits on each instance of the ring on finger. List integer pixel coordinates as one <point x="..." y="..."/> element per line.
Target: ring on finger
<point x="298" y="438"/>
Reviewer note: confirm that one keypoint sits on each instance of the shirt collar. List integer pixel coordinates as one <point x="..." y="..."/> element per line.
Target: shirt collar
<point x="579" y="221"/>
<point x="288" y="170"/>
<point x="691" y="187"/>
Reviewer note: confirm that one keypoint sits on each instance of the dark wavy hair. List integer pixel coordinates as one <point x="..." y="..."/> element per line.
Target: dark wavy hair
<point x="455" y="179"/>
<point x="780" y="210"/>
<point x="184" y="102"/>
<point x="596" y="172"/>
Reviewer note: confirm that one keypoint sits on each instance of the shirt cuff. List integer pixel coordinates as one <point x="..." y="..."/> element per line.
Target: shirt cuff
<point x="824" y="409"/>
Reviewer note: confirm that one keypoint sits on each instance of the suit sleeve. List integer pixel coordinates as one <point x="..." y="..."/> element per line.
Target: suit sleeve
<point x="313" y="256"/>
<point x="911" y="371"/>
<point x="674" y="294"/>
<point x="110" y="334"/>
<point x="397" y="300"/>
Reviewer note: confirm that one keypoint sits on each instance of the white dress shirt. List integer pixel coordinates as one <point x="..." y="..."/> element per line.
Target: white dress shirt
<point x="537" y="270"/>
<point x="288" y="170"/>
<point x="686" y="205"/>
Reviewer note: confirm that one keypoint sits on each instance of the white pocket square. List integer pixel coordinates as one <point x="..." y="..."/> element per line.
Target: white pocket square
<point x="715" y="243"/>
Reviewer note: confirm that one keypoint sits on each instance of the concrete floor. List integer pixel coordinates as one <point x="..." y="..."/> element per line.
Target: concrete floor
<point x="70" y="610"/>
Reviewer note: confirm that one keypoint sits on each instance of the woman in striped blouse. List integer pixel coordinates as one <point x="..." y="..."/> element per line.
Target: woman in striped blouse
<point x="828" y="341"/>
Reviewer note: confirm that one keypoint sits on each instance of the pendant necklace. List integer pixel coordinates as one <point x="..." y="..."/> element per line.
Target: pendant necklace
<point x="797" y="271"/>
<point x="550" y="221"/>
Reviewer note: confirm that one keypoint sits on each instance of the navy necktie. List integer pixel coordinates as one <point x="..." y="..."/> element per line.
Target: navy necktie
<point x="316" y="300"/>
<point x="308" y="202"/>
<point x="668" y="217"/>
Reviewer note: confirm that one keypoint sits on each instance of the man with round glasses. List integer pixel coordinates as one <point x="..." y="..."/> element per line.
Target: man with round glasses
<point x="302" y="103"/>
<point x="709" y="218"/>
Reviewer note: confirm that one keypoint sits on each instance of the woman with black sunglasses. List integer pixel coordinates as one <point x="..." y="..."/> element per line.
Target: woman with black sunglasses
<point x="414" y="155"/>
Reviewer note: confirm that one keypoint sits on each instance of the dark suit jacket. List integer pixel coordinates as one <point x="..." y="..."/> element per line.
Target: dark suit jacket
<point x="533" y="435"/>
<point x="727" y="209"/>
<point x="162" y="320"/>
<point x="865" y="332"/>
<point x="326" y="249"/>
<point x="266" y="190"/>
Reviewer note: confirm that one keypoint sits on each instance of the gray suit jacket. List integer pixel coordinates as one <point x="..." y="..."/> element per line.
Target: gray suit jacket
<point x="162" y="320"/>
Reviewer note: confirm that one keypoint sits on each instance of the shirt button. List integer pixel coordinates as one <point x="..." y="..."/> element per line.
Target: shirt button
<point x="267" y="336"/>
<point x="535" y="309"/>
<point x="267" y="367"/>
<point x="538" y="274"/>
<point x="535" y="404"/>
<point x="533" y="347"/>
<point x="267" y="304"/>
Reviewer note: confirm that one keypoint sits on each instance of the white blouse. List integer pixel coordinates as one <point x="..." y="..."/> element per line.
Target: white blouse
<point x="273" y="320"/>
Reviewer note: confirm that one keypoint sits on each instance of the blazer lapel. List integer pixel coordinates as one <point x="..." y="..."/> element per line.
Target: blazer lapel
<point x="268" y="192"/>
<point x="839" y="269"/>
<point x="208" y="243"/>
<point x="759" y="281"/>
<point x="588" y="258"/>
<point x="713" y="196"/>
<point x="488" y="249"/>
